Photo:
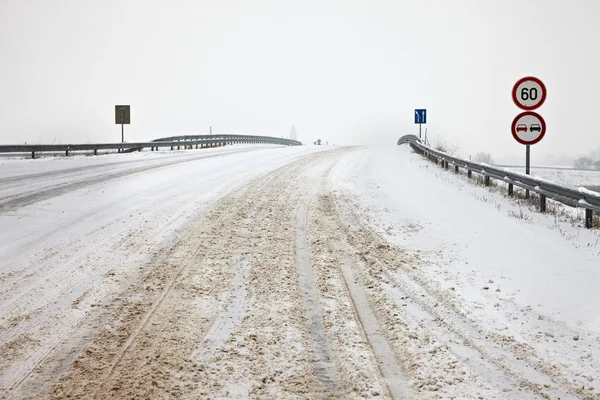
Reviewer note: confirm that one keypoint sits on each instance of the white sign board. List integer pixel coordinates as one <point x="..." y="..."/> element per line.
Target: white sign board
<point x="529" y="93"/>
<point x="528" y="128"/>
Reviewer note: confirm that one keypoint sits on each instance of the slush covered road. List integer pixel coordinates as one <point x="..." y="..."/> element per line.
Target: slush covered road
<point x="254" y="272"/>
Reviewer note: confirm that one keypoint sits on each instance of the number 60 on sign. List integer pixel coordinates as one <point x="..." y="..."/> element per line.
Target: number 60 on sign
<point x="529" y="93"/>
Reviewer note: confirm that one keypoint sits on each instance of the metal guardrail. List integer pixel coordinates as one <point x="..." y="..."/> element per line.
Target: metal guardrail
<point x="409" y="139"/>
<point x="230" y="139"/>
<point x="172" y="142"/>
<point x="571" y="196"/>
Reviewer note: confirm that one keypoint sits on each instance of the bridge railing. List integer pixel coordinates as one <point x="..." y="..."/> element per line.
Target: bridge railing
<point x="571" y="196"/>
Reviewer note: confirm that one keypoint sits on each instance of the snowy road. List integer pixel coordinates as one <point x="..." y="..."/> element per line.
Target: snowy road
<point x="287" y="273"/>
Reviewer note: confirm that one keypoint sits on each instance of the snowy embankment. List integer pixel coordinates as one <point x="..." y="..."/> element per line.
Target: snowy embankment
<point x="523" y="284"/>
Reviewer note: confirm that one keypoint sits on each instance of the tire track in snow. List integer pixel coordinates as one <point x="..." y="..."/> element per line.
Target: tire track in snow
<point x="233" y="309"/>
<point x="324" y="369"/>
<point x="393" y="380"/>
<point x="393" y="375"/>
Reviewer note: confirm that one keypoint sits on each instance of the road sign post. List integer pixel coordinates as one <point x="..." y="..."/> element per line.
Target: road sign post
<point x="420" y="118"/>
<point x="528" y="128"/>
<point x="122" y="125"/>
<point x="122" y="117"/>
<point x="527" y="165"/>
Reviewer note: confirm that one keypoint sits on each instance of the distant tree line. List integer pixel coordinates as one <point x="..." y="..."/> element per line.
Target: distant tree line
<point x="586" y="163"/>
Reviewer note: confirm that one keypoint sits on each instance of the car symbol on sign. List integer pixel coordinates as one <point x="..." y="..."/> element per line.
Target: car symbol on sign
<point x="522" y="128"/>
<point x="535" y="128"/>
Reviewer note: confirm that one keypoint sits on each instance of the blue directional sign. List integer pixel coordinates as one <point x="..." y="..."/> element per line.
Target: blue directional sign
<point x="420" y="116"/>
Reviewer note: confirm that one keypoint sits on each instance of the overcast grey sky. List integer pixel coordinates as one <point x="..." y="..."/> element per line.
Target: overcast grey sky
<point x="350" y="72"/>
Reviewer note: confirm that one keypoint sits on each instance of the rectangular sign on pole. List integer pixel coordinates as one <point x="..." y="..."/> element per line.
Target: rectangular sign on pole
<point x="122" y="115"/>
<point x="420" y="116"/>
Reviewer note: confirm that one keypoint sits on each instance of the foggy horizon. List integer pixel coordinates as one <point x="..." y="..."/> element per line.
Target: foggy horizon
<point x="345" y="72"/>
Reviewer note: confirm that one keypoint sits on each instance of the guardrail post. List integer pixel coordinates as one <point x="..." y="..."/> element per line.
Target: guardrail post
<point x="589" y="218"/>
<point x="456" y="169"/>
<point x="487" y="181"/>
<point x="66" y="153"/>
<point x="542" y="203"/>
<point x="95" y="152"/>
<point x="33" y="155"/>
<point x="510" y="189"/>
<point x="469" y="173"/>
<point x="447" y="165"/>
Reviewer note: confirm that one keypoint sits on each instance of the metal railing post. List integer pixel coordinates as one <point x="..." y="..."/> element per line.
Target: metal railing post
<point x="542" y="203"/>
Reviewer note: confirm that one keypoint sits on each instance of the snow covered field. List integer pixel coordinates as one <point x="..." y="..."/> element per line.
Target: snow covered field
<point x="254" y="272"/>
<point x="572" y="177"/>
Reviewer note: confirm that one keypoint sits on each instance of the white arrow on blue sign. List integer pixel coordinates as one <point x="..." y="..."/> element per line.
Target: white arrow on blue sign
<point x="420" y="116"/>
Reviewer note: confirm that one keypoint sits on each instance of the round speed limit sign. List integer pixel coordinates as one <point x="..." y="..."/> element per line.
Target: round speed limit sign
<point x="529" y="93"/>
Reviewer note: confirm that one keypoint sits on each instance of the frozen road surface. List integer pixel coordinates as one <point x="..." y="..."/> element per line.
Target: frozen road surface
<point x="287" y="273"/>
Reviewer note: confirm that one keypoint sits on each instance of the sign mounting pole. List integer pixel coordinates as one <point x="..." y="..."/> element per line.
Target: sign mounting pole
<point x="122" y="117"/>
<point x="420" y="118"/>
<point x="527" y="165"/>
<point x="122" y="125"/>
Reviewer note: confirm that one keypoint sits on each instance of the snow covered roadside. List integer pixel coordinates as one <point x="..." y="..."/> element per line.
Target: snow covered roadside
<point x="519" y="286"/>
<point x="63" y="256"/>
